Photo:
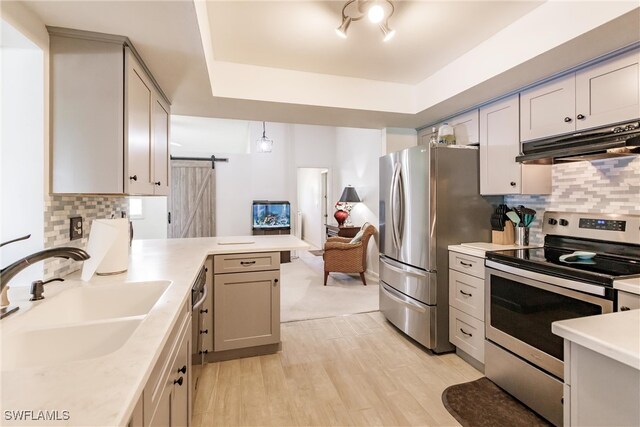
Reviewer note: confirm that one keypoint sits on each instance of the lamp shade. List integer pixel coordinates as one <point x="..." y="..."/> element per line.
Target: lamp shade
<point x="349" y="195"/>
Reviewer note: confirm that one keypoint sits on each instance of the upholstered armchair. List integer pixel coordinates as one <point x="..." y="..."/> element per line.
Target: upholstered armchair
<point x="345" y="255"/>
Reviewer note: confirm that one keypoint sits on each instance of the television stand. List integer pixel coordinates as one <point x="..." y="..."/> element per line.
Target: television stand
<point x="285" y="256"/>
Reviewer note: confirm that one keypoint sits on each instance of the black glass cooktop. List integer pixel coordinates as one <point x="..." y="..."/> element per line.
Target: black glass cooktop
<point x="611" y="262"/>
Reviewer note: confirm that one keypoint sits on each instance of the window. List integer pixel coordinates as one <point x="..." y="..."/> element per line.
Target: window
<point x="135" y="208"/>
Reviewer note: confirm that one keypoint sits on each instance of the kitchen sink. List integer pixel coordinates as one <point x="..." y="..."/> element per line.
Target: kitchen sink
<point x="90" y="303"/>
<point x="44" y="347"/>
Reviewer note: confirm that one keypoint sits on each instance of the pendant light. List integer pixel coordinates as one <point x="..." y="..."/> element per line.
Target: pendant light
<point x="264" y="144"/>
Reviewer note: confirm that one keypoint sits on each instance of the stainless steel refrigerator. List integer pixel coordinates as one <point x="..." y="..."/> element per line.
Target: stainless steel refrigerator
<point x="429" y="199"/>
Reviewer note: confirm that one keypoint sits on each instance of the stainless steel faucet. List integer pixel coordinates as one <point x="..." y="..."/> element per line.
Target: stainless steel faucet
<point x="10" y="271"/>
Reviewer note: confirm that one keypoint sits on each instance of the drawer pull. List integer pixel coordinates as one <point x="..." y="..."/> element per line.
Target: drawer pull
<point x="246" y="263"/>
<point x="465" y="293"/>
<point x="466" y="333"/>
<point x="179" y="381"/>
<point x="466" y="264"/>
<point x="205" y="311"/>
<point x="203" y="351"/>
<point x="183" y="370"/>
<point x="624" y="308"/>
<point x="206" y="331"/>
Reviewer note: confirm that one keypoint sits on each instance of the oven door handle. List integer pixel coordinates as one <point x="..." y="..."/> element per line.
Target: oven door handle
<point x="198" y="303"/>
<point x="552" y="280"/>
<point x="403" y="300"/>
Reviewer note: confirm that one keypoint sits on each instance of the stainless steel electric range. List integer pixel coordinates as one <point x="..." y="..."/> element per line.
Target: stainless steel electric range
<point x="528" y="289"/>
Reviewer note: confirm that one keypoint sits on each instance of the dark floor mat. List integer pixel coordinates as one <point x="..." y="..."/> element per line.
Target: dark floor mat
<point x="317" y="253"/>
<point x="481" y="403"/>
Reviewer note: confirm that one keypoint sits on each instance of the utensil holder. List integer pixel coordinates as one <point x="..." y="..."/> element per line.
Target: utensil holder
<point x="522" y="236"/>
<point x="503" y="237"/>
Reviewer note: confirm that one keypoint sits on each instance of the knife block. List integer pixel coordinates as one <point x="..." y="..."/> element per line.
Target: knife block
<point x="506" y="237"/>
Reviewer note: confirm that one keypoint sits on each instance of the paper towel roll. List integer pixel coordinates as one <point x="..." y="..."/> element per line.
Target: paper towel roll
<point x="108" y="246"/>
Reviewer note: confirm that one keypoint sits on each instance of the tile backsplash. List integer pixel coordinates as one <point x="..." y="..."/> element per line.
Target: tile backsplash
<point x="603" y="186"/>
<point x="57" y="211"/>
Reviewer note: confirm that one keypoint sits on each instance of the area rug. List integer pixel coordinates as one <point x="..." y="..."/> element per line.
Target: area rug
<point x="481" y="403"/>
<point x="303" y="295"/>
<point x="317" y="253"/>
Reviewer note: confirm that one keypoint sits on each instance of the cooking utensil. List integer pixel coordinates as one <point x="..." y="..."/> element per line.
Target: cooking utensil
<point x="514" y="217"/>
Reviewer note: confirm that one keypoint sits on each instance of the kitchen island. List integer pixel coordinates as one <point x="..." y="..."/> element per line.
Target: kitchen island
<point x="602" y="369"/>
<point x="106" y="390"/>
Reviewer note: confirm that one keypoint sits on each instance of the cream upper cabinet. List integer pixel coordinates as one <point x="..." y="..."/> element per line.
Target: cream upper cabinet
<point x="608" y="92"/>
<point x="548" y="109"/>
<point x="466" y="128"/>
<point x="138" y="123"/>
<point x="160" y="147"/>
<point x="109" y="118"/>
<point x="605" y="93"/>
<point x="425" y="135"/>
<point x="499" y="146"/>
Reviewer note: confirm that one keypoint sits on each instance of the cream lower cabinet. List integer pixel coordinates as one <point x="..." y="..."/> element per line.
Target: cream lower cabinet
<point x="246" y="300"/>
<point x="466" y="304"/>
<point x="167" y="395"/>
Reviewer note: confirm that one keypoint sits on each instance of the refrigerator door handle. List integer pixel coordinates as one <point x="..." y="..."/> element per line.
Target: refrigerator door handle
<point x="401" y="200"/>
<point x="392" y="199"/>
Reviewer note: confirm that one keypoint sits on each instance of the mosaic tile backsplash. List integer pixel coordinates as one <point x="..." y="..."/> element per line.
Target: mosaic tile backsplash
<point x="57" y="211"/>
<point x="603" y="186"/>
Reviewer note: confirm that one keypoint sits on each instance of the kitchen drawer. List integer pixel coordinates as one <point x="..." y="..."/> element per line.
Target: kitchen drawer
<point x="467" y="264"/>
<point x="628" y="301"/>
<point x="239" y="263"/>
<point x="466" y="293"/>
<point x="466" y="333"/>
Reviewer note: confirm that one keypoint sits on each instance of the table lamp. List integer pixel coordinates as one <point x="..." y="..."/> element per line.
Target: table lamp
<point x="345" y="204"/>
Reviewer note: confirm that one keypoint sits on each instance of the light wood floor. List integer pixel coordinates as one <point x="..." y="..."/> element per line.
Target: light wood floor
<point x="343" y="371"/>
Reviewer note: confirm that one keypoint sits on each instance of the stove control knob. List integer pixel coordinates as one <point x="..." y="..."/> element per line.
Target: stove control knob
<point x="618" y="129"/>
<point x="564" y="222"/>
<point x="552" y="221"/>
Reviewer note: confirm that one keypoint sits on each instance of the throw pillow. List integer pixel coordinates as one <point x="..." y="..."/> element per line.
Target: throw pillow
<point x="357" y="237"/>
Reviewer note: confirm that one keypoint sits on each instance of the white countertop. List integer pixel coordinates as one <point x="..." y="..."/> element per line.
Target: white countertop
<point x="628" y="285"/>
<point x="479" y="249"/>
<point x="103" y="391"/>
<point x="615" y="335"/>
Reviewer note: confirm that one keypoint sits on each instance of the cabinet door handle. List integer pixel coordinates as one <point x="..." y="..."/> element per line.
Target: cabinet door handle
<point x="624" y="308"/>
<point x="465" y="293"/>
<point x="203" y="351"/>
<point x="205" y="311"/>
<point x="567" y="119"/>
<point x="466" y="333"/>
<point x="245" y="263"/>
<point x="512" y="183"/>
<point x="179" y="381"/>
<point x="183" y="370"/>
<point x="158" y="183"/>
<point x="206" y="331"/>
<point x="133" y="177"/>
<point x="466" y="264"/>
<point x="580" y="117"/>
<point x="275" y="282"/>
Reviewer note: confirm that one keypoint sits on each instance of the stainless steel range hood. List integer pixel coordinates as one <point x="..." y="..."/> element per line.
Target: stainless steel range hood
<point x="612" y="141"/>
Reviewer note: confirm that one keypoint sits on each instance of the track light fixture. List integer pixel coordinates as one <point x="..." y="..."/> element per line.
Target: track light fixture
<point x="378" y="12"/>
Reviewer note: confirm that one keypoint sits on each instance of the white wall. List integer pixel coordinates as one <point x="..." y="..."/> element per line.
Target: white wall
<point x="310" y="204"/>
<point x="153" y="225"/>
<point x="396" y="139"/>
<point x="204" y="136"/>
<point x="22" y="150"/>
<point x="357" y="155"/>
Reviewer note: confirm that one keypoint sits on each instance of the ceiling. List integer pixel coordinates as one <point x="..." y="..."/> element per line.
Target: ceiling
<point x="431" y="34"/>
<point x="299" y="35"/>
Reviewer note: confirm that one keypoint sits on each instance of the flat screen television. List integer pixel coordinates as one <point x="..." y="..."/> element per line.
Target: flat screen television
<point x="271" y="215"/>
